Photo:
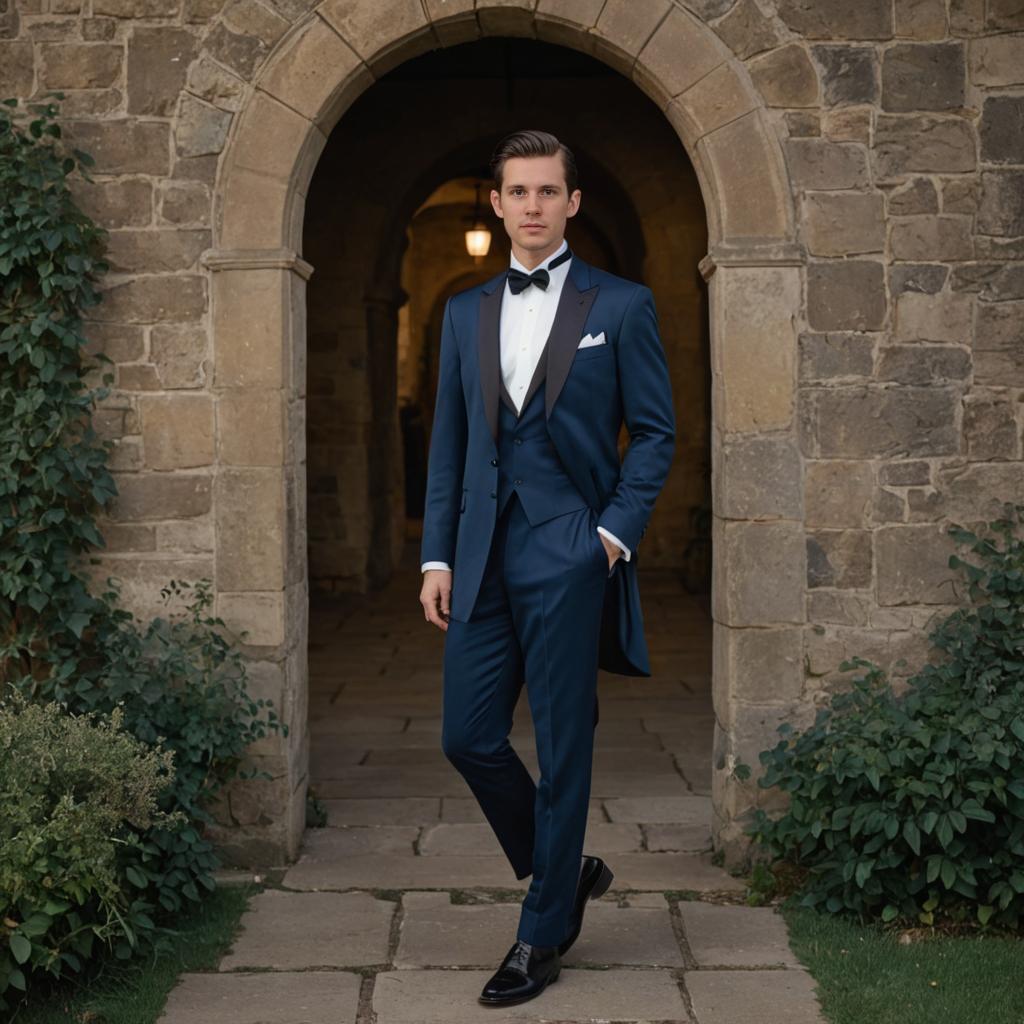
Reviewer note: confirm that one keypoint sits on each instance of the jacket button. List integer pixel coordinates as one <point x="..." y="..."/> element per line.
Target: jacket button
<point x="519" y="481"/>
<point x="494" y="494"/>
<point x="494" y="462"/>
<point x="519" y="440"/>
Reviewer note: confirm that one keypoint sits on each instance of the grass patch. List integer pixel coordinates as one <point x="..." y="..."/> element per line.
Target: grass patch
<point x="135" y="993"/>
<point x="866" y="974"/>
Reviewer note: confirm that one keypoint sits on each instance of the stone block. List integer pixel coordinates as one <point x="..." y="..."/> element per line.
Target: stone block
<point x="990" y="428"/>
<point x="178" y="353"/>
<point x="719" y="97"/>
<point x="743" y="160"/>
<point x="835" y="19"/>
<point x="251" y="427"/>
<point x="837" y="493"/>
<point x="995" y="61"/>
<point x="623" y="28"/>
<point x="239" y="51"/>
<point x="752" y="365"/>
<point x="917" y="195"/>
<point x="767" y="568"/>
<point x="250" y="310"/>
<point x="835" y="355"/>
<point x="381" y="33"/>
<point x="1002" y="130"/>
<point x="1003" y="15"/>
<point x="1001" y="209"/>
<point x="255" y="20"/>
<point x="411" y="810"/>
<point x="869" y="422"/>
<point x="320" y="997"/>
<point x="911" y="563"/>
<point x="758" y="477"/>
<point x="284" y="931"/>
<point x="185" y="203"/>
<point x="786" y="78"/>
<point x="161" y="496"/>
<point x="942" y="318"/>
<point x="250" y="529"/>
<point x="846" y="295"/>
<point x="679" y="838"/>
<point x="122" y="202"/>
<point x="177" y="430"/>
<point x="155" y="251"/>
<point x="259" y="614"/>
<point x="682" y="809"/>
<point x="926" y="278"/>
<point x="158" y="61"/>
<point x="400" y="871"/>
<point x="747" y="31"/>
<point x="910" y="143"/>
<point x="140" y="580"/>
<point x="122" y="145"/>
<point x="754" y="997"/>
<point x="17" y="72"/>
<point x="658" y="69"/>
<point x="200" y="127"/>
<point x="923" y="364"/>
<point x="920" y="19"/>
<point x="758" y="665"/>
<point x="999" y="344"/>
<point x="844" y="224"/>
<point x="730" y="936"/>
<point x="923" y="76"/>
<point x="120" y="342"/>
<point x="839" y="558"/>
<point x="153" y="298"/>
<point x="318" y="74"/>
<point x="977" y="491"/>
<point x="69" y="65"/>
<point x="932" y="238"/>
<point x="822" y="164"/>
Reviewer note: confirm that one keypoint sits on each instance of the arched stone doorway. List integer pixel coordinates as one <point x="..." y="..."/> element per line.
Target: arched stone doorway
<point x="258" y="282"/>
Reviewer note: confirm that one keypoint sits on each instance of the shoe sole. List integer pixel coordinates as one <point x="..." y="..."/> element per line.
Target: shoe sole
<point x="521" y="999"/>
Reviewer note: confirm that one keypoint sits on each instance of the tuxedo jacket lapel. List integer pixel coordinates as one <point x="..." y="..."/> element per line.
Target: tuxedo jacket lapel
<point x="574" y="304"/>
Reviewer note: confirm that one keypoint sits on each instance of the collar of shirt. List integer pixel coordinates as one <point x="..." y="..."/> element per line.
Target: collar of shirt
<point x="562" y="267"/>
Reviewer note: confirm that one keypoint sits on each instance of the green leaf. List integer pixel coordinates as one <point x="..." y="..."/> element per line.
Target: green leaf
<point x="21" y="948"/>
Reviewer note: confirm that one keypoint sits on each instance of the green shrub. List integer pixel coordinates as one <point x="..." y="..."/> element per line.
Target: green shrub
<point x="74" y="791"/>
<point x="910" y="808"/>
<point x="176" y="680"/>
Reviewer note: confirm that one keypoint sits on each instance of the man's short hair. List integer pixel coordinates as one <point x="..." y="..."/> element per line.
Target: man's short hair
<point x="533" y="143"/>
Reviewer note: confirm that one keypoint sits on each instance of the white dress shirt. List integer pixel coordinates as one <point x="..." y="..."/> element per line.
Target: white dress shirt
<point x="526" y="320"/>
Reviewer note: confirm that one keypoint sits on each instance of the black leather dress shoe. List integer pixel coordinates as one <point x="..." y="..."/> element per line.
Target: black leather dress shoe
<point x="523" y="974"/>
<point x="595" y="877"/>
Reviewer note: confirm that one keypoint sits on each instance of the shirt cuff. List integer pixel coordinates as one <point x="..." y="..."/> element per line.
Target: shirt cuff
<point x="435" y="565"/>
<point x="615" y="540"/>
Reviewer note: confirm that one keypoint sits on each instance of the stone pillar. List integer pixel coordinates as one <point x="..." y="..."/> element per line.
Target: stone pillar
<point x="258" y="317"/>
<point x="759" y="559"/>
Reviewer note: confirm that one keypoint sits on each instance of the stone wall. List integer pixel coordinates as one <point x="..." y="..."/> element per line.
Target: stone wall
<point x="863" y="170"/>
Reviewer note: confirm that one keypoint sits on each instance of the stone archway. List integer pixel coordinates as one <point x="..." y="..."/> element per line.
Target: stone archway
<point x="753" y="264"/>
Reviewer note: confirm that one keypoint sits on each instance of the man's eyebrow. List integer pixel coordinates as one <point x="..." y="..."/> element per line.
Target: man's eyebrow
<point x="519" y="184"/>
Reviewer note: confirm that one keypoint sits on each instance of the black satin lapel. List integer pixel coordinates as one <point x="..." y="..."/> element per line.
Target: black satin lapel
<point x="570" y="316"/>
<point x="489" y="354"/>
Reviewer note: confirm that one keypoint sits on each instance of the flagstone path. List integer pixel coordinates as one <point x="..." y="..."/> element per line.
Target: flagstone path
<point x="400" y="908"/>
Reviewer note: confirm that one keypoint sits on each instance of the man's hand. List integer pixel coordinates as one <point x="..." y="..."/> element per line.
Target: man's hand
<point x="435" y="596"/>
<point x="613" y="551"/>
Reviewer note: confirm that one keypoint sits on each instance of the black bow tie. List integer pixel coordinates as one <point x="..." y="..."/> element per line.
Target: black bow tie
<point x="519" y="279"/>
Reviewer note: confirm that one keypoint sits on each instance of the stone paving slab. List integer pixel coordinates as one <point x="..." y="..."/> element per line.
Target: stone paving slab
<point x="318" y="997"/>
<point x="581" y="996"/>
<point x="478" y="837"/>
<point x="396" y="871"/>
<point x="670" y="838"/>
<point x="687" y="809"/>
<point x="608" y="784"/>
<point x="283" y="931"/>
<point x="730" y="936"/>
<point x="390" y="781"/>
<point x="753" y="997"/>
<point x="660" y="871"/>
<point x="438" y="933"/>
<point x="411" y="810"/>
<point x="456" y="809"/>
<point x="348" y="840"/>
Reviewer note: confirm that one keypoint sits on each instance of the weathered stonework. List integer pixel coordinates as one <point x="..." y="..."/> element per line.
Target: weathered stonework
<point x="862" y="172"/>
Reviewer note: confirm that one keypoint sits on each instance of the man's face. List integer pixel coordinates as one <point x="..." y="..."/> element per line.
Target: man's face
<point x="534" y="201"/>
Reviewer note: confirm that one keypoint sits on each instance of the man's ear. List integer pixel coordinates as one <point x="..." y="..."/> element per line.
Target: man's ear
<point x="496" y="202"/>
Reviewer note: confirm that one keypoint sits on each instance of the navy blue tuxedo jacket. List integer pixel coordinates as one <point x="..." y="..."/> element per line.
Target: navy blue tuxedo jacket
<point x="588" y="394"/>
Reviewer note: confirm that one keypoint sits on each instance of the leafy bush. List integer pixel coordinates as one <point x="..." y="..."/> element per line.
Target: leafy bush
<point x="74" y="791"/>
<point x="910" y="808"/>
<point x="176" y="681"/>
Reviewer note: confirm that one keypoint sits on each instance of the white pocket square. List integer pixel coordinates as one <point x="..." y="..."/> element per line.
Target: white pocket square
<point x="587" y="340"/>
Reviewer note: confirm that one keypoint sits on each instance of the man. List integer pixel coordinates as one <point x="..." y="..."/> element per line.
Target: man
<point x="530" y="532"/>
